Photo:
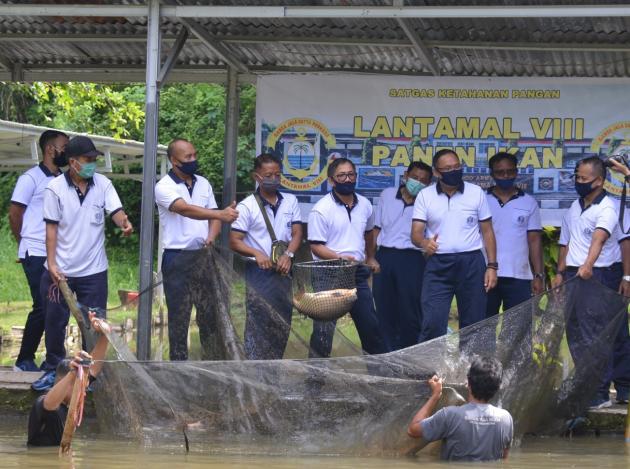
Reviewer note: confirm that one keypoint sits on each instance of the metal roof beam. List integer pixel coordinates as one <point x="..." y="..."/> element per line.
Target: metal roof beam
<point x="419" y="46"/>
<point x="215" y="46"/>
<point x="169" y="63"/>
<point x="257" y="11"/>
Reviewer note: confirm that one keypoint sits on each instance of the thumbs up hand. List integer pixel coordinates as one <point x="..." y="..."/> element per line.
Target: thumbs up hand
<point x="430" y="245"/>
<point x="229" y="214"/>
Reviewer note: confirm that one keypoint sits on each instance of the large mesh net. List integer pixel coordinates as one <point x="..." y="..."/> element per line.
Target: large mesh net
<point x="352" y="403"/>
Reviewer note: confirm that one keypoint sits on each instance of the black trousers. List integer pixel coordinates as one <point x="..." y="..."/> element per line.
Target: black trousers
<point x="34" y="328"/>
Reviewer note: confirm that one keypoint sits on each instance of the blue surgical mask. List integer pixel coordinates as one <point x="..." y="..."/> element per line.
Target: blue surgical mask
<point x="413" y="186"/>
<point x="505" y="183"/>
<point x="87" y="170"/>
<point x="188" y="167"/>
<point x="345" y="188"/>
<point x="584" y="188"/>
<point x="453" y="178"/>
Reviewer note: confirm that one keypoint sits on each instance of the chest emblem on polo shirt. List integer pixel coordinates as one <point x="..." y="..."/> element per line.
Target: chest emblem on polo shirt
<point x="520" y="219"/>
<point x="588" y="231"/>
<point x="470" y="220"/>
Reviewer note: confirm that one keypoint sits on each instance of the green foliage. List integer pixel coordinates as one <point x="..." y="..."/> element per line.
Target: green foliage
<point x="551" y="234"/>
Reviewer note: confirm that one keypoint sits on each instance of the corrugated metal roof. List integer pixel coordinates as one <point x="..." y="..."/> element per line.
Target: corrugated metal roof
<point x="74" y="47"/>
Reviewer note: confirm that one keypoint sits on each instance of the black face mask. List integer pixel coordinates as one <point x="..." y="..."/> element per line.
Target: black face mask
<point x="584" y="188"/>
<point x="60" y="159"/>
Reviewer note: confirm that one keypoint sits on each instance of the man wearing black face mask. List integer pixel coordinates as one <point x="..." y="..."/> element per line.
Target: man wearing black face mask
<point x="450" y="221"/>
<point x="268" y="322"/>
<point x="27" y="225"/>
<point x="190" y="220"/>
<point x="341" y="226"/>
<point x="589" y="248"/>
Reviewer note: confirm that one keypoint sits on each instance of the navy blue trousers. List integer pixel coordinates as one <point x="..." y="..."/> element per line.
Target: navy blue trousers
<point x="364" y="317"/>
<point x="584" y="327"/>
<point x="397" y="296"/>
<point x="269" y="310"/>
<point x="34" y="328"/>
<point x="184" y="287"/>
<point x="447" y="275"/>
<point x="91" y="291"/>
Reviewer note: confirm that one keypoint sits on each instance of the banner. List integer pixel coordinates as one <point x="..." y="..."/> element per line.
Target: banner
<point x="382" y="123"/>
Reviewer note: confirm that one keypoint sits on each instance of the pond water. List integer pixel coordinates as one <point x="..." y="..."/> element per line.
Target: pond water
<point x="92" y="451"/>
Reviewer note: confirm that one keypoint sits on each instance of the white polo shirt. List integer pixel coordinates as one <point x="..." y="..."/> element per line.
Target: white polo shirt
<point x="392" y="216"/>
<point x="511" y="223"/>
<point x="578" y="226"/>
<point x="282" y="216"/>
<point x="454" y="219"/>
<point x="29" y="192"/>
<point x="178" y="231"/>
<point x="81" y="223"/>
<point x="339" y="227"/>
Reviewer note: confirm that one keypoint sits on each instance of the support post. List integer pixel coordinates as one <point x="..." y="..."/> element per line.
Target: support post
<point x="231" y="145"/>
<point x="145" y="302"/>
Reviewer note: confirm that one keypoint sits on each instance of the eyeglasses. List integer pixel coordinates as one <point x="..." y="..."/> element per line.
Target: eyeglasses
<point x="341" y="177"/>
<point x="505" y="172"/>
<point x="449" y="168"/>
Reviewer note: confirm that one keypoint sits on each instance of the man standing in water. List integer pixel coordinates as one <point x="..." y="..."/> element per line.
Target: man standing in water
<point x="398" y="284"/>
<point x="27" y="225"/>
<point x="341" y="226"/>
<point x="269" y="306"/>
<point x="476" y="431"/>
<point x="47" y="419"/>
<point x="190" y="220"/>
<point x="75" y="205"/>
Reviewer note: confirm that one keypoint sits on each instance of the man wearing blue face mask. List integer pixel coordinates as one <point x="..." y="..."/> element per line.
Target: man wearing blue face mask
<point x="341" y="226"/>
<point x="75" y="205"/>
<point x="253" y="235"/>
<point x="451" y="224"/>
<point x="398" y="284"/>
<point x="190" y="220"/>
<point x="518" y="230"/>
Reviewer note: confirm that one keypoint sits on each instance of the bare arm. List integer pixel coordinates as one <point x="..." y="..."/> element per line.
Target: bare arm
<point x="122" y="222"/>
<point x="214" y="228"/>
<point x="227" y="215"/>
<point x="597" y="243"/>
<point x="323" y="252"/>
<point x="562" y="266"/>
<point x="534" y="241"/>
<point x="415" y="427"/>
<point x="100" y="349"/>
<point x="238" y="245"/>
<point x="624" y="287"/>
<point x="51" y="251"/>
<point x="489" y="241"/>
<point x="16" y="217"/>
<point x="54" y="397"/>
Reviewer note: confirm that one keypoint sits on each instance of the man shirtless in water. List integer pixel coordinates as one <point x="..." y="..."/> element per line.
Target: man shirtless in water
<point x="47" y="419"/>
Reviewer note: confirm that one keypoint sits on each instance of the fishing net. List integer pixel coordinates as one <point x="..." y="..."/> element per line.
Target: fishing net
<point x="353" y="404"/>
<point x="324" y="290"/>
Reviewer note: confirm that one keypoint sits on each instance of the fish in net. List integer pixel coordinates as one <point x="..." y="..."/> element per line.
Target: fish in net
<point x="358" y="404"/>
<point x="324" y="290"/>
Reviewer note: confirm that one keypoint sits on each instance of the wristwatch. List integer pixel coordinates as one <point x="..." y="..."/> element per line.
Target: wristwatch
<point x="539" y="275"/>
<point x="493" y="265"/>
<point x="289" y="254"/>
<point x="626" y="278"/>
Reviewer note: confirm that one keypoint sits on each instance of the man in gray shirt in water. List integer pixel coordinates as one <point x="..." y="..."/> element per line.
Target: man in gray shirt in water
<point x="476" y="431"/>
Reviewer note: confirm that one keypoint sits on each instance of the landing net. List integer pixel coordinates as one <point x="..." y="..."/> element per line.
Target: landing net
<point x="353" y="404"/>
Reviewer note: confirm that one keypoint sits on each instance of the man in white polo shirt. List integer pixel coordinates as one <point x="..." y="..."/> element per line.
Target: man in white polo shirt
<point x="589" y="248"/>
<point x="269" y="306"/>
<point x="75" y="204"/>
<point x="340" y="226"/>
<point x="450" y="219"/>
<point x="27" y="225"/>
<point x="398" y="285"/>
<point x="190" y="220"/>
<point x="518" y="231"/>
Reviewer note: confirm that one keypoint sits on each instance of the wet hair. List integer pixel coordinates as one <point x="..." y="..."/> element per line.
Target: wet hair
<point x="48" y="136"/>
<point x="63" y="368"/>
<point x="484" y="377"/>
<point x="265" y="158"/>
<point x="596" y="163"/>
<point x="332" y="167"/>
<point x="502" y="156"/>
<point x="441" y="153"/>
<point x="420" y="165"/>
<point x="171" y="146"/>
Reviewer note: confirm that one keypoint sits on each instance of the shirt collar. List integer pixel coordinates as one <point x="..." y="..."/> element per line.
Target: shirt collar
<point x="438" y="187"/>
<point x="71" y="183"/>
<point x="179" y="180"/>
<point x="519" y="193"/>
<point x="355" y="199"/>
<point x="595" y="201"/>
<point x="47" y="171"/>
<point x="400" y="197"/>
<point x="265" y="202"/>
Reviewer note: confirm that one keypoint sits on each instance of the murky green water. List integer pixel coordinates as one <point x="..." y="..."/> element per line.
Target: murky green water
<point x="92" y="451"/>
